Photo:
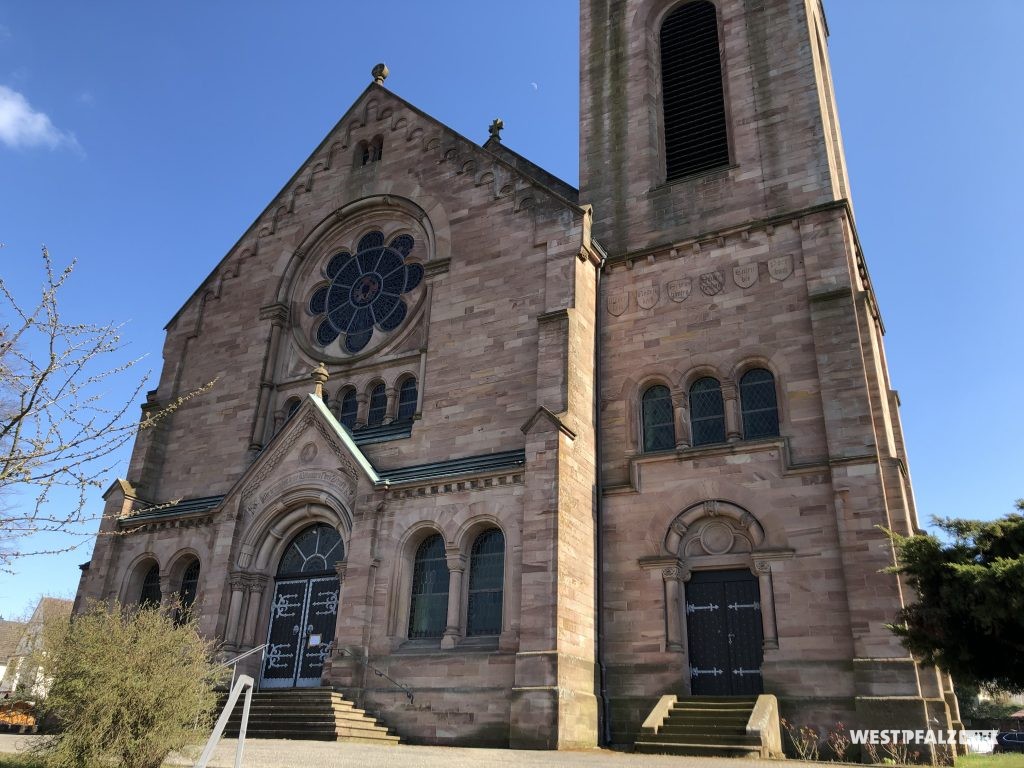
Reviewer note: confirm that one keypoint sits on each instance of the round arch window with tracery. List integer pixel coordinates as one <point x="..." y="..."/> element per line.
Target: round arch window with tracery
<point x="367" y="291"/>
<point x="313" y="552"/>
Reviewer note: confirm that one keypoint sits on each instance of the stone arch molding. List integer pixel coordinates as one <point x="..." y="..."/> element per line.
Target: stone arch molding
<point x="727" y="527"/>
<point x="713" y="534"/>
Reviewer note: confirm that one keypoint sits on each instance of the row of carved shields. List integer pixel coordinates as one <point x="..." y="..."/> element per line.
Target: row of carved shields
<point x="710" y="284"/>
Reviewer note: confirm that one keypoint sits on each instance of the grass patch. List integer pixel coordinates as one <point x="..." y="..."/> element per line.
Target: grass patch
<point x="1003" y="760"/>
<point x="16" y="760"/>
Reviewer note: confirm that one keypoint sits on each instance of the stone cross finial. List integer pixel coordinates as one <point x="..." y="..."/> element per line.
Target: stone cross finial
<point x="496" y="127"/>
<point x="319" y="375"/>
<point x="380" y="73"/>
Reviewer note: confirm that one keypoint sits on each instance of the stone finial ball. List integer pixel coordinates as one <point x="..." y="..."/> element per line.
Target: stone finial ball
<point x="380" y="73"/>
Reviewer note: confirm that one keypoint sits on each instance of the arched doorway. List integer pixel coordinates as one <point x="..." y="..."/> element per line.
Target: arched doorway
<point x="304" y="610"/>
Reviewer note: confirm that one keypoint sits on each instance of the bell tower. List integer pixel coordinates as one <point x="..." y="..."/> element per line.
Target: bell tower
<point x="712" y="156"/>
<point x="702" y="114"/>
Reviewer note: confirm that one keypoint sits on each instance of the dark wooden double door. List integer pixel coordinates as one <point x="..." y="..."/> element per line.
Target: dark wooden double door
<point x="302" y="609"/>
<point x="723" y="628"/>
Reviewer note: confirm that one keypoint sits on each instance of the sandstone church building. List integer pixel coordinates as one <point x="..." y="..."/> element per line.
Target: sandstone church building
<point x="541" y="454"/>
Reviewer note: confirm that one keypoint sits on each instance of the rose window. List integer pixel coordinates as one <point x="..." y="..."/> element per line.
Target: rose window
<point x="365" y="291"/>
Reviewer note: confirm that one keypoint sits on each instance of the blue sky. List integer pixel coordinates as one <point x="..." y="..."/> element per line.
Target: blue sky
<point x="143" y="139"/>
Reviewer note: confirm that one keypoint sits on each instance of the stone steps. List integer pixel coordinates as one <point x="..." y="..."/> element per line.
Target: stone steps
<point x="309" y="713"/>
<point x="704" y="727"/>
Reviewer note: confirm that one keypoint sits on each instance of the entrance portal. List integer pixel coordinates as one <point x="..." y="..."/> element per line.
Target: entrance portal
<point x="723" y="627"/>
<point x="304" y="611"/>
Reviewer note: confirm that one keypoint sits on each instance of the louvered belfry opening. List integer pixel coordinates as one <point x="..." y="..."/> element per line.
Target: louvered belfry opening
<point x="692" y="93"/>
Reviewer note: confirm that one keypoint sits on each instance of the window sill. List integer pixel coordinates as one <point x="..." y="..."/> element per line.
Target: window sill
<point x="398" y="430"/>
<point x="432" y="645"/>
<point x="720" y="171"/>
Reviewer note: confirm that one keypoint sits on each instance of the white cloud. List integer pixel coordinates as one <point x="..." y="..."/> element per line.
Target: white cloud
<point x="22" y="126"/>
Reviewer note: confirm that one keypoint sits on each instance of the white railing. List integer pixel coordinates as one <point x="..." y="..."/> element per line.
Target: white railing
<point x="233" y="663"/>
<point x="244" y="682"/>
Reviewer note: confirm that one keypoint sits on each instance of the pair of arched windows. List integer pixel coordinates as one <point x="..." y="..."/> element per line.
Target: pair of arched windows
<point x="693" y="94"/>
<point x="758" y="406"/>
<point x="369" y="151"/>
<point x="150" y="595"/>
<point x="428" y="605"/>
<point x="405" y="409"/>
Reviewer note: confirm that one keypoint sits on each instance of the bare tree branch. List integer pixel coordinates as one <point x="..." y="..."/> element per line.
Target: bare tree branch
<point x="57" y="427"/>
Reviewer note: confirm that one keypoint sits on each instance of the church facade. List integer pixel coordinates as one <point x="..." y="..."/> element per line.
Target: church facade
<point x="545" y="454"/>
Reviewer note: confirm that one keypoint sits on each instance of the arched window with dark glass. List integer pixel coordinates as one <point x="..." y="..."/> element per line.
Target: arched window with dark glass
<point x="189" y="586"/>
<point x="759" y="404"/>
<point x="315" y="551"/>
<point x="407" y="400"/>
<point x="428" y="607"/>
<point x="150" y="595"/>
<point x="349" y="409"/>
<point x="378" y="406"/>
<point x="486" y="583"/>
<point x="291" y="408"/>
<point x="693" y="95"/>
<point x="707" y="412"/>
<point x="659" y="423"/>
<point x="376" y="148"/>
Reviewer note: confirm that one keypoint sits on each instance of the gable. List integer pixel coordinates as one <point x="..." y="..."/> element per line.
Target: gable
<point x="378" y="113"/>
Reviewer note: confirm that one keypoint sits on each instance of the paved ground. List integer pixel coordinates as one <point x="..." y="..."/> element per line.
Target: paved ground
<point x="261" y="753"/>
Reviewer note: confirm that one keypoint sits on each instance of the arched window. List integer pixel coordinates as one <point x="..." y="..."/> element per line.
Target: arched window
<point x="349" y="409"/>
<point x="707" y="412"/>
<point x="428" y="608"/>
<point x="369" y="151"/>
<point x="659" y="422"/>
<point x="378" y="406"/>
<point x="376" y="149"/>
<point x="486" y="580"/>
<point x="150" y="595"/>
<point x="314" y="551"/>
<point x="290" y="408"/>
<point x="189" y="586"/>
<point x="759" y="404"/>
<point x="693" y="97"/>
<point x="407" y="400"/>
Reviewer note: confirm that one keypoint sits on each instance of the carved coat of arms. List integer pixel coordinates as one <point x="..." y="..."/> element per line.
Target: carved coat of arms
<point x="745" y="276"/>
<point x="648" y="296"/>
<point x="618" y="302"/>
<point x="780" y="267"/>
<point x="712" y="282"/>
<point x="679" y="290"/>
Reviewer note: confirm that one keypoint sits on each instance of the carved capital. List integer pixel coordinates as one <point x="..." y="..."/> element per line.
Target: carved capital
<point x="237" y="581"/>
<point x="763" y="566"/>
<point x="729" y="391"/>
<point x="341" y="568"/>
<point x="256" y="582"/>
<point x="456" y="562"/>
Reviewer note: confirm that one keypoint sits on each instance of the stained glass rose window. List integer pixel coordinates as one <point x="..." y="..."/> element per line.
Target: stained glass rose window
<point x="365" y="291"/>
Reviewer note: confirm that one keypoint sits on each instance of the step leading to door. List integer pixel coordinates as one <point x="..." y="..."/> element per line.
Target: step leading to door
<point x="713" y="727"/>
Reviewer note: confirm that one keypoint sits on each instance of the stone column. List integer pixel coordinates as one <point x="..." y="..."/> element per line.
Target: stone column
<point x="452" y="630"/>
<point x="362" y="409"/>
<point x="673" y="609"/>
<point x="392" y="407"/>
<point x="166" y="591"/>
<point x="278" y="315"/>
<point x="232" y="629"/>
<point x="255" y="584"/>
<point x="679" y="402"/>
<point x="769" y="627"/>
<point x="340" y="568"/>
<point x="732" y="412"/>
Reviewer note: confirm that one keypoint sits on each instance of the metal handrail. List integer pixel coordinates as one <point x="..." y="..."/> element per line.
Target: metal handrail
<point x="378" y="672"/>
<point x="233" y="663"/>
<point x="244" y="683"/>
